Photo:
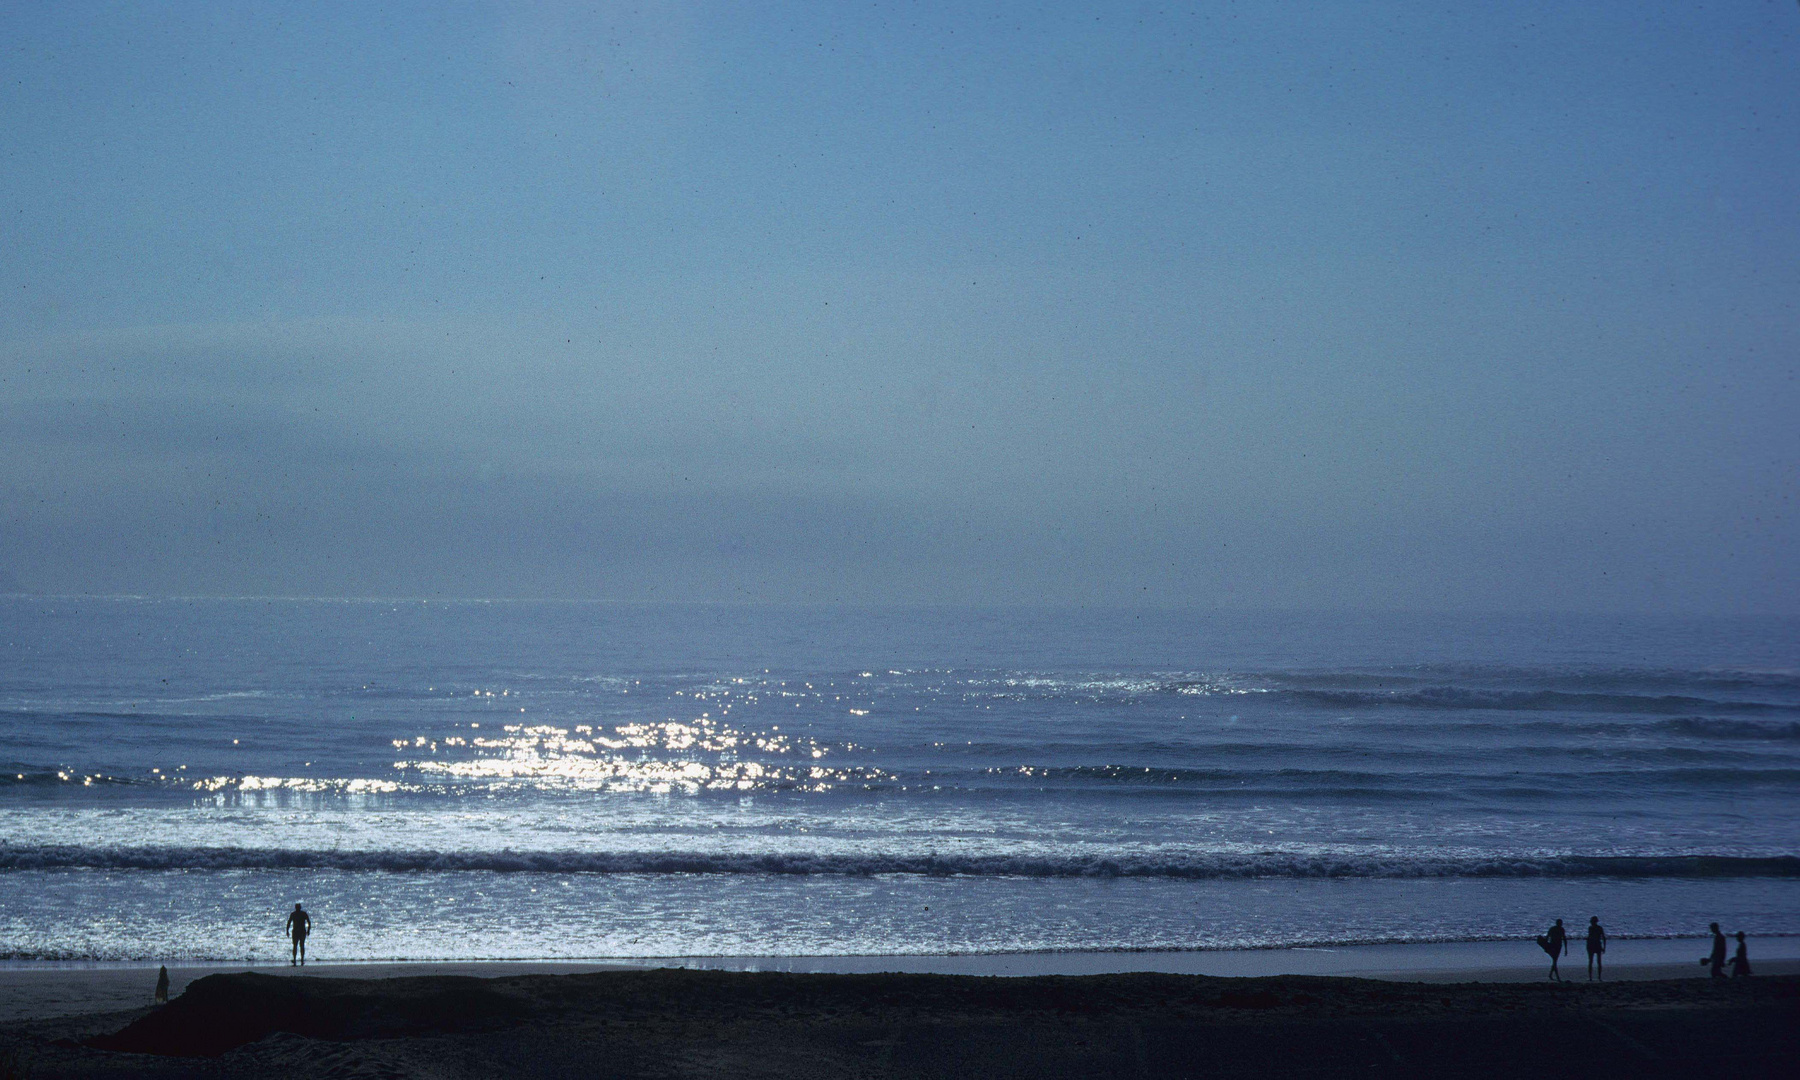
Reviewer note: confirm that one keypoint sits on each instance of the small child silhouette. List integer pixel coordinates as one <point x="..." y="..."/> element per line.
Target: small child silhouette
<point x="1740" y="963"/>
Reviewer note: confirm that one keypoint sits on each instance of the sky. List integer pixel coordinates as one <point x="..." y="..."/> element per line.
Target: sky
<point x="1312" y="305"/>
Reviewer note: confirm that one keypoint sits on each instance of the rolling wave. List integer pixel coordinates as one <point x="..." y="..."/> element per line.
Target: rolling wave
<point x="1668" y="770"/>
<point x="1197" y="866"/>
<point x="1691" y="727"/>
<point x="1710" y="727"/>
<point x="1627" y="680"/>
<point x="1457" y="697"/>
<point x="14" y="774"/>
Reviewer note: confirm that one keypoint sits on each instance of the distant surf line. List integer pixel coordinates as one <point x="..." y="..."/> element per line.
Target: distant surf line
<point x="1148" y="865"/>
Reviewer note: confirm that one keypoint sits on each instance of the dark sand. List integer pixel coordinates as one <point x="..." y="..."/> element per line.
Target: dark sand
<point x="669" y="1023"/>
<point x="44" y="990"/>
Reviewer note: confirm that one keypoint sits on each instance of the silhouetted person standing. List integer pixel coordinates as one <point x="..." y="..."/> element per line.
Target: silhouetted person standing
<point x="162" y="985"/>
<point x="1716" y="958"/>
<point x="1596" y="947"/>
<point x="1740" y="963"/>
<point x="299" y="924"/>
<point x="1556" y="942"/>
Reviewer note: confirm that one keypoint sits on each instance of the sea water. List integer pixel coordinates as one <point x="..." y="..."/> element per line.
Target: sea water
<point x="569" y="780"/>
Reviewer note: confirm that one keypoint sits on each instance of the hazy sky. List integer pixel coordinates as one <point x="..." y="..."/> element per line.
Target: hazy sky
<point x="1302" y="304"/>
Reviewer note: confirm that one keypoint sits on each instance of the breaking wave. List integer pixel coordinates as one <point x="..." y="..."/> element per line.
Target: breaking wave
<point x="1147" y="865"/>
<point x="1708" y="727"/>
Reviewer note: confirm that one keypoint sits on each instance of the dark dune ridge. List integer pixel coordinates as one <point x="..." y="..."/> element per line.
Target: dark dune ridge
<point x="670" y="1023"/>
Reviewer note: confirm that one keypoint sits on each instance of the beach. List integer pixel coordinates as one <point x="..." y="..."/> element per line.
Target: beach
<point x="674" y="1022"/>
<point x="42" y="991"/>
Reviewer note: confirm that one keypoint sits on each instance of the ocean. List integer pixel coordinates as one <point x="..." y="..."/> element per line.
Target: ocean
<point x="521" y="780"/>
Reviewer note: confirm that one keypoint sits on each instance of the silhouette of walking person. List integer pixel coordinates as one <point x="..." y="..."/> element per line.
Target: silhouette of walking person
<point x="1740" y="963"/>
<point x="299" y="924"/>
<point x="1556" y="942"/>
<point x="1596" y="948"/>
<point x="162" y="985"/>
<point x="1716" y="958"/>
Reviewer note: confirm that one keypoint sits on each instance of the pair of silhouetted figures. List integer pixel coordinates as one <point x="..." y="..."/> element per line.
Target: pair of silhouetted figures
<point x="1740" y="964"/>
<point x="1556" y="942"/>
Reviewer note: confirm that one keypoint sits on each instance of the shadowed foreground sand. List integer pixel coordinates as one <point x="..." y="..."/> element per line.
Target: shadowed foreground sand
<point x="669" y="1023"/>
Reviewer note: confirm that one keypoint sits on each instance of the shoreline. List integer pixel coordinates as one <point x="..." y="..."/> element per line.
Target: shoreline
<point x="37" y="990"/>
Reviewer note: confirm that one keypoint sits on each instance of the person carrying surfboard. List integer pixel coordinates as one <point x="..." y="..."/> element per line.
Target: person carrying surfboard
<point x="1555" y="942"/>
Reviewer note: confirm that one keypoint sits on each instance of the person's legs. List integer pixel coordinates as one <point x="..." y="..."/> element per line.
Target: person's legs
<point x="301" y="945"/>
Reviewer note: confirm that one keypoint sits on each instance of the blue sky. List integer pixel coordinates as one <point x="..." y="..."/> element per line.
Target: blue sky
<point x="1306" y="305"/>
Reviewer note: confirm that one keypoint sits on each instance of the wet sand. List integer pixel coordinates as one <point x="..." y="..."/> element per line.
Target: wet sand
<point x="671" y="1022"/>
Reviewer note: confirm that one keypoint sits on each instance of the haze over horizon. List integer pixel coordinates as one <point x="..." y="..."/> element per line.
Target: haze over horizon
<point x="1371" y="306"/>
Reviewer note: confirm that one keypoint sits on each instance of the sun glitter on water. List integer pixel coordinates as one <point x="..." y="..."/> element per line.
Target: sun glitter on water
<point x="673" y="755"/>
